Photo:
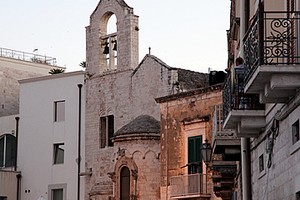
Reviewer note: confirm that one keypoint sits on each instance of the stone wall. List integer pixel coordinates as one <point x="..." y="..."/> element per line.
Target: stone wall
<point x="184" y="115"/>
<point x="281" y="180"/>
<point x="12" y="70"/>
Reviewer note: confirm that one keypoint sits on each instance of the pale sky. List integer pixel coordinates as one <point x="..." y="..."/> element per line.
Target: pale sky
<point x="189" y="34"/>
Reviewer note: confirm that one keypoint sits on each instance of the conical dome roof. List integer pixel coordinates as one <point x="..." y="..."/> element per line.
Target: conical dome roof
<point x="142" y="124"/>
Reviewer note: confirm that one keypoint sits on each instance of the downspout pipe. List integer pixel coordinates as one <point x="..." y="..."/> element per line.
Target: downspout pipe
<point x="79" y="141"/>
<point x="18" y="185"/>
<point x="245" y="142"/>
<point x="17" y="139"/>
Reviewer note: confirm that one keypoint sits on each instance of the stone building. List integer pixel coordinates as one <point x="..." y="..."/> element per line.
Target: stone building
<point x="186" y="122"/>
<point x="120" y="92"/>
<point x="264" y="111"/>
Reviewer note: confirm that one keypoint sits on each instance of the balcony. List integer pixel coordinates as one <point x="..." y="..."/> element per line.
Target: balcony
<point x="224" y="141"/>
<point x="29" y="57"/>
<point x="224" y="174"/>
<point x="189" y="186"/>
<point x="272" y="57"/>
<point x="242" y="112"/>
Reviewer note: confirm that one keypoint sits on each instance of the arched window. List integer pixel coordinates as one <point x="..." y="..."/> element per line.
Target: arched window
<point x="7" y="150"/>
<point x="109" y="43"/>
<point x="125" y="184"/>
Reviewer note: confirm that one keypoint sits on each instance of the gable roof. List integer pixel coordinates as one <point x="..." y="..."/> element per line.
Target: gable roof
<point x="121" y="2"/>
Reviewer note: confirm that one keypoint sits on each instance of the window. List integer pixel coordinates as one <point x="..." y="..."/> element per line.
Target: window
<point x="59" y="153"/>
<point x="261" y="163"/>
<point x="125" y="184"/>
<point x="194" y="154"/>
<point x="298" y="195"/>
<point x="3" y="198"/>
<point x="59" y="111"/>
<point x="295" y="132"/>
<point x="7" y="150"/>
<point x="106" y="130"/>
<point x="57" y="194"/>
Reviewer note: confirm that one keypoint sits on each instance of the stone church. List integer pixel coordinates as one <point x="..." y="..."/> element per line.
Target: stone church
<point x="122" y="116"/>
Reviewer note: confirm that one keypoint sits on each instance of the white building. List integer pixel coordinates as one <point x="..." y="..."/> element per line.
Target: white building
<point x="49" y="135"/>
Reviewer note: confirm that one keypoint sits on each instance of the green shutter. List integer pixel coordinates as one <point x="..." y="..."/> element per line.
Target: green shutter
<point x="194" y="154"/>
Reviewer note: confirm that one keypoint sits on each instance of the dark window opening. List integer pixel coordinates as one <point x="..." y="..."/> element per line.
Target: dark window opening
<point x="295" y="132"/>
<point x="8" y="151"/>
<point x="194" y="155"/>
<point x="106" y="131"/>
<point x="125" y="184"/>
<point x="261" y="163"/>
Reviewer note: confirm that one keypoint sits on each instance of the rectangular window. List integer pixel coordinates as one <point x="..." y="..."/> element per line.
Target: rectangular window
<point x="59" y="153"/>
<point x="194" y="154"/>
<point x="3" y="198"/>
<point x="57" y="194"/>
<point x="2" y="152"/>
<point x="7" y="150"/>
<point x="295" y="132"/>
<point x="59" y="111"/>
<point x="106" y="130"/>
<point x="261" y="163"/>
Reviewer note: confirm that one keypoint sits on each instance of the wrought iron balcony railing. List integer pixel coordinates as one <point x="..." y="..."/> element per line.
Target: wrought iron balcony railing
<point x="272" y="39"/>
<point x="235" y="99"/>
<point x="188" y="185"/>
<point x="25" y="56"/>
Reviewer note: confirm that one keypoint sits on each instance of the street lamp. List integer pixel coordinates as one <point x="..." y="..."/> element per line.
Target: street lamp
<point x="206" y="152"/>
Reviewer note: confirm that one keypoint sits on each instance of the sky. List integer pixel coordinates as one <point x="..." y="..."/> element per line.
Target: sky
<point x="189" y="34"/>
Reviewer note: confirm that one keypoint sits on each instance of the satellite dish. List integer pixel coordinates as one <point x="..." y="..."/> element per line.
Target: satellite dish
<point x="41" y="198"/>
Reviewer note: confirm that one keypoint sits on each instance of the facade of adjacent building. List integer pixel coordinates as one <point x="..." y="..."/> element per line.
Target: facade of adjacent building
<point x="123" y="158"/>
<point x="8" y="174"/>
<point x="265" y="112"/>
<point x="14" y="65"/>
<point x="186" y="122"/>
<point x="17" y="65"/>
<point x="51" y="137"/>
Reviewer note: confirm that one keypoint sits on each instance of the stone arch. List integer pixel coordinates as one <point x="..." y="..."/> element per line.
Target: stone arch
<point x="131" y="165"/>
<point x="122" y="58"/>
<point x="153" y="152"/>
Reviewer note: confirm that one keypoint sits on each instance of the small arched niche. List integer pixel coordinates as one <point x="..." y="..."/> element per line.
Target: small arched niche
<point x="109" y="44"/>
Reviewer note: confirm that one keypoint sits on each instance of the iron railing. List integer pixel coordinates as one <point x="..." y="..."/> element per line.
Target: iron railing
<point x="188" y="185"/>
<point x="272" y="39"/>
<point x="30" y="57"/>
<point x="235" y="99"/>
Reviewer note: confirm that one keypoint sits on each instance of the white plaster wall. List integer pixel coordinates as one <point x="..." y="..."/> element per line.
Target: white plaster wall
<point x="38" y="132"/>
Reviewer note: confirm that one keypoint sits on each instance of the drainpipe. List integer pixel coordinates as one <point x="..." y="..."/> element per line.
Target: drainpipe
<point x="18" y="185"/>
<point x="245" y="142"/>
<point x="79" y="141"/>
<point x="17" y="138"/>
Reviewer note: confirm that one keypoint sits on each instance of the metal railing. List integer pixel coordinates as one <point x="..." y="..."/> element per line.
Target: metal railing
<point x="188" y="185"/>
<point x="272" y="39"/>
<point x="30" y="57"/>
<point x="235" y="99"/>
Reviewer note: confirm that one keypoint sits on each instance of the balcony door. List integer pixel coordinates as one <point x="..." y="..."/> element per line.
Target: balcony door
<point x="194" y="154"/>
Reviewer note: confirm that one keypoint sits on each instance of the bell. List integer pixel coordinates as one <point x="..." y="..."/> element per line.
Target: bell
<point x="115" y="46"/>
<point x="106" y="49"/>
